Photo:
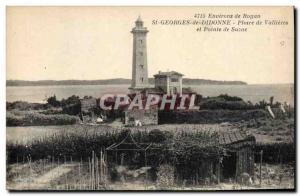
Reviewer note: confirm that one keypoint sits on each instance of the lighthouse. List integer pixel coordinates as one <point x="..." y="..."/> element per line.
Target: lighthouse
<point x="139" y="79"/>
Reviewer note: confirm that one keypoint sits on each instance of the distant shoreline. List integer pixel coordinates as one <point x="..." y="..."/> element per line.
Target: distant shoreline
<point x="117" y="81"/>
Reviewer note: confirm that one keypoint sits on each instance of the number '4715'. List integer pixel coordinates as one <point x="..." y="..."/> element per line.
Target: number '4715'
<point x="199" y="15"/>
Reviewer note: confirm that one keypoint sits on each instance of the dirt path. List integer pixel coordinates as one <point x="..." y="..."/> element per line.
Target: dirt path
<point x="43" y="181"/>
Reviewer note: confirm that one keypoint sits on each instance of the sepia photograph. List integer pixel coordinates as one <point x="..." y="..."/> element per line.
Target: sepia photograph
<point x="150" y="98"/>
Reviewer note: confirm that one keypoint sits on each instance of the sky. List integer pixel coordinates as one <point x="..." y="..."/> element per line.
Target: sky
<point x="90" y="43"/>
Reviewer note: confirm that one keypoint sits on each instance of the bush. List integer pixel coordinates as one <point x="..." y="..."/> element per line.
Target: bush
<point x="71" y="105"/>
<point x="37" y="119"/>
<point x="220" y="104"/>
<point x="276" y="152"/>
<point x="209" y="116"/>
<point x="25" y="106"/>
<point x="230" y="98"/>
<point x="53" y="101"/>
<point x="225" y="101"/>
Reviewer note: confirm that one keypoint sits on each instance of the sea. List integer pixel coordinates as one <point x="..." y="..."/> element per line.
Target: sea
<point x="253" y="92"/>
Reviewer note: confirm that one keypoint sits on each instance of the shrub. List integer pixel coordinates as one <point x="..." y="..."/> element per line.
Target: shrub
<point x="209" y="116"/>
<point x="225" y="101"/>
<point x="230" y="98"/>
<point x="220" y="104"/>
<point x="37" y="119"/>
<point x="71" y="105"/>
<point x="25" y="106"/>
<point x="53" y="101"/>
<point x="276" y="152"/>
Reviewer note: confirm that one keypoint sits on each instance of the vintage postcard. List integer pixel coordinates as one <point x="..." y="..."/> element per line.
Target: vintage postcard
<point x="150" y="98"/>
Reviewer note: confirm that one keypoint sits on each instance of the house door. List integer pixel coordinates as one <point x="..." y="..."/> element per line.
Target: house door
<point x="229" y="167"/>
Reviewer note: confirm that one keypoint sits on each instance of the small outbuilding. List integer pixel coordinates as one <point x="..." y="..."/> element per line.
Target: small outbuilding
<point x="87" y="108"/>
<point x="239" y="157"/>
<point x="141" y="117"/>
<point x="226" y="156"/>
<point x="88" y="105"/>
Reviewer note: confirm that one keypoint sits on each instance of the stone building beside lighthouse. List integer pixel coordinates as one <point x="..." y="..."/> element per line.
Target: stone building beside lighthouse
<point x="170" y="82"/>
<point x="139" y="58"/>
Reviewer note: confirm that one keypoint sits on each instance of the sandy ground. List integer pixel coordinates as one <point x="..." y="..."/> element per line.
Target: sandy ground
<point x="39" y="182"/>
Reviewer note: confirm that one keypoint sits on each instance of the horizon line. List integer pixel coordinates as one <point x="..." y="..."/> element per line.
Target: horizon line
<point x="130" y="79"/>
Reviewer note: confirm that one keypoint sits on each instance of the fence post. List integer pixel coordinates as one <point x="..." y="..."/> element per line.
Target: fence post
<point x="90" y="176"/>
<point x="79" y="174"/>
<point x="261" y="156"/>
<point x="101" y="172"/>
<point x="93" y="170"/>
<point x="219" y="169"/>
<point x="30" y="171"/>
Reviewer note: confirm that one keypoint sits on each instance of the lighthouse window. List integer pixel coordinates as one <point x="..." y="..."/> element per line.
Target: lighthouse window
<point x="142" y="66"/>
<point x="141" y="41"/>
<point x="142" y="79"/>
<point x="141" y="53"/>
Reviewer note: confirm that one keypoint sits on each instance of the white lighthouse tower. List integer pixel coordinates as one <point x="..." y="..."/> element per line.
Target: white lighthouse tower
<point x="139" y="59"/>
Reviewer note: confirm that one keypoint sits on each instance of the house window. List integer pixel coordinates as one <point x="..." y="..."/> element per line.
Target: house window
<point x="174" y="79"/>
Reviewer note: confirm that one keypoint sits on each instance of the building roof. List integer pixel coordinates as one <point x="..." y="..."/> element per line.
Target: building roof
<point x="231" y="137"/>
<point x="167" y="73"/>
<point x="219" y="134"/>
